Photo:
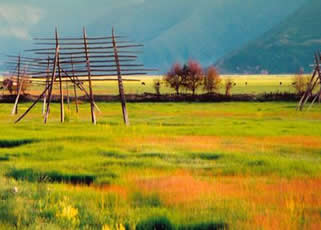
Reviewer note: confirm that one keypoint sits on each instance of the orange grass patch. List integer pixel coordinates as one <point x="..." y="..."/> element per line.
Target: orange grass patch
<point x="122" y="191"/>
<point x="272" y="203"/>
<point x="228" y="144"/>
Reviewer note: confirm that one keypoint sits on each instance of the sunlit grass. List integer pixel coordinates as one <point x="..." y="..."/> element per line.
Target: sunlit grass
<point x="245" y="84"/>
<point x="248" y="165"/>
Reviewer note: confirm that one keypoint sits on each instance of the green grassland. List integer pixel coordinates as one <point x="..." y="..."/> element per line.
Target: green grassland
<point x="245" y="84"/>
<point x="195" y="165"/>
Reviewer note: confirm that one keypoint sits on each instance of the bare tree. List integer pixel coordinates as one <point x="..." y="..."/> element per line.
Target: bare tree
<point x="212" y="80"/>
<point x="174" y="77"/>
<point x="194" y="75"/>
<point x="229" y="84"/>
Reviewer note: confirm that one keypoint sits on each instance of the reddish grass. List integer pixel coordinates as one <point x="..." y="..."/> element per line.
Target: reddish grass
<point x="228" y="144"/>
<point x="271" y="202"/>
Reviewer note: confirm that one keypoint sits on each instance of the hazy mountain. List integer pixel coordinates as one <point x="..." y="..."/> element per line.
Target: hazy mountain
<point x="284" y="49"/>
<point x="171" y="30"/>
<point x="205" y="30"/>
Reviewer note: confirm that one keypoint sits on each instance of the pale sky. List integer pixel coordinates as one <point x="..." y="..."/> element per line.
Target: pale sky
<point x="18" y="18"/>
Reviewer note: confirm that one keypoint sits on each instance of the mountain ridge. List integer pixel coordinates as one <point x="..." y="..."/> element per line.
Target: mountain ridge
<point x="286" y="48"/>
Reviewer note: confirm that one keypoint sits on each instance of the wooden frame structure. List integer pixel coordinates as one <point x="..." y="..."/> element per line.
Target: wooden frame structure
<point x="314" y="83"/>
<point x="77" y="60"/>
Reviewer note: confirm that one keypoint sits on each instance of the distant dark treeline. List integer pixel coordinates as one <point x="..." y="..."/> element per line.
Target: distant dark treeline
<point x="147" y="97"/>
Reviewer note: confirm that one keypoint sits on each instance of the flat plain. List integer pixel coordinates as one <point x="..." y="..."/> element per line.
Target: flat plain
<point x="226" y="165"/>
<point x="244" y="84"/>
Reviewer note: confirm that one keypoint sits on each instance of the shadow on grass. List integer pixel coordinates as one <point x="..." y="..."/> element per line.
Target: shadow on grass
<point x="206" y="156"/>
<point x="4" y="158"/>
<point x="15" y="143"/>
<point x="50" y="177"/>
<point x="153" y="155"/>
<point x="205" y="226"/>
<point x="163" y="223"/>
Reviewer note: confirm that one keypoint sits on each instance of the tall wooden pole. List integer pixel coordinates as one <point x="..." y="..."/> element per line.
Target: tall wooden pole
<point x="79" y="85"/>
<point x="15" y="110"/>
<point x="120" y="81"/>
<point x="75" y="89"/>
<point x="92" y="106"/>
<point x="61" y="92"/>
<point x="49" y="87"/>
<point x="47" y="83"/>
<point x="67" y="91"/>
<point x="310" y="87"/>
<point x="51" y="84"/>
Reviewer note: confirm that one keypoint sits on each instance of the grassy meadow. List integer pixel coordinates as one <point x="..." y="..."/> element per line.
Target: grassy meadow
<point x="245" y="84"/>
<point x="184" y="165"/>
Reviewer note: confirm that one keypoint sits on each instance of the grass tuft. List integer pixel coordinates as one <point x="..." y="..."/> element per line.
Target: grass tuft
<point x="15" y="143"/>
<point x="50" y="177"/>
<point x="155" y="223"/>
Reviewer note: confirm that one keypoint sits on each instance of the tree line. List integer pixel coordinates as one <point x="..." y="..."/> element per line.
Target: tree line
<point x="192" y="76"/>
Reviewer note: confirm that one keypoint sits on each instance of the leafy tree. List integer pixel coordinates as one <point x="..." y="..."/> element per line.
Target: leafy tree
<point x="212" y="80"/>
<point x="174" y="77"/>
<point x="193" y="73"/>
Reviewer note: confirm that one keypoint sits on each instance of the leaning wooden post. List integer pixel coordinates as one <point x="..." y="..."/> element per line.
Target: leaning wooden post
<point x="310" y="87"/>
<point x="14" y="110"/>
<point x="49" y="87"/>
<point x="15" y="107"/>
<point x="120" y="81"/>
<point x="62" y="112"/>
<point x="51" y="84"/>
<point x="75" y="89"/>
<point x="47" y="83"/>
<point x="33" y="104"/>
<point x="76" y="82"/>
<point x="92" y="106"/>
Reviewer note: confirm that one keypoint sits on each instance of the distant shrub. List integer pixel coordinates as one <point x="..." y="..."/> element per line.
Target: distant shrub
<point x="212" y="80"/>
<point x="155" y="223"/>
<point x="229" y="84"/>
<point x="157" y="86"/>
<point x="300" y="83"/>
<point x="11" y="84"/>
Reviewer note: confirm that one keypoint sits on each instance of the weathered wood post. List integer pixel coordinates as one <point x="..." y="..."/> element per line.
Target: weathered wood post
<point x="120" y="81"/>
<point x="15" y="107"/>
<point x="92" y="106"/>
<point x="47" y="83"/>
<point x="61" y="92"/>
<point x="75" y="89"/>
<point x="51" y="84"/>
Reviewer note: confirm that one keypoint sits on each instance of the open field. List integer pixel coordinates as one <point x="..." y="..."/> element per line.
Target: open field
<point x="256" y="84"/>
<point x="241" y="165"/>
